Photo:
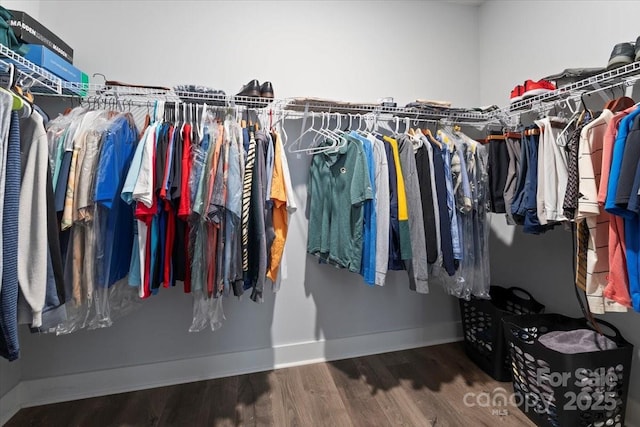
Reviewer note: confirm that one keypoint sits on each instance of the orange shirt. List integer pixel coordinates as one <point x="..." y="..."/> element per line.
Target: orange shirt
<point x="280" y="215"/>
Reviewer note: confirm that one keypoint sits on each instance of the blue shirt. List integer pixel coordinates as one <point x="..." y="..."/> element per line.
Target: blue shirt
<point x="395" y="256"/>
<point x="368" y="266"/>
<point x="451" y="204"/>
<point x="135" y="279"/>
<point x="634" y="200"/>
<point x="127" y="195"/>
<point x="631" y="219"/>
<point x="446" y="246"/>
<point x="270" y="160"/>
<point x="134" y="169"/>
<point x="116" y="216"/>
<point x="616" y="162"/>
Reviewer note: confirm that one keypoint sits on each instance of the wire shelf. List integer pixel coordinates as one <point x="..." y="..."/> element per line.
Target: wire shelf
<point x="44" y="83"/>
<point x="609" y="77"/>
<point x="41" y="80"/>
<point x="418" y="111"/>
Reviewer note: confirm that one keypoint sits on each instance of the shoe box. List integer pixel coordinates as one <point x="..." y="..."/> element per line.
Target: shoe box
<point x="55" y="64"/>
<point x="30" y="31"/>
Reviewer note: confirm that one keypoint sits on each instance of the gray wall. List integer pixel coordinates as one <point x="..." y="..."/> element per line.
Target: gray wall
<point x="10" y="375"/>
<point x="352" y="51"/>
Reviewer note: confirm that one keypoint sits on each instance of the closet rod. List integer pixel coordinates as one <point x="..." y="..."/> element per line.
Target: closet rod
<point x="128" y="104"/>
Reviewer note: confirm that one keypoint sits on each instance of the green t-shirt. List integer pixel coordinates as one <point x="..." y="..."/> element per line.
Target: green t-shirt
<point x="338" y="186"/>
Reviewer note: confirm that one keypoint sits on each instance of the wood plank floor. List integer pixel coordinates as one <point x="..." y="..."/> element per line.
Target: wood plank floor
<point x="419" y="387"/>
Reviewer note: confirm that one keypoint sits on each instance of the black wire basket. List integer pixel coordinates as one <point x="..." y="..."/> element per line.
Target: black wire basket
<point x="558" y="389"/>
<point x="482" y="327"/>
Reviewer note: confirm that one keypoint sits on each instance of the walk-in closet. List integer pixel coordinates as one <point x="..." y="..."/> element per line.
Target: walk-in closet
<point x="319" y="213"/>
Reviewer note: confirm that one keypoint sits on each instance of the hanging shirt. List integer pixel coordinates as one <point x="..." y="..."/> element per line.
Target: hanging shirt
<point x="143" y="188"/>
<point x="417" y="266"/>
<point x="233" y="210"/>
<point x="626" y="135"/>
<point x="446" y="238"/>
<point x="368" y="266"/>
<point x="202" y="239"/>
<point x="77" y="143"/>
<point x="56" y="136"/>
<point x="145" y="208"/>
<point x="617" y="288"/>
<point x="570" y="203"/>
<point x="6" y="103"/>
<point x="247" y="185"/>
<point x="423" y="170"/>
<point x="339" y="186"/>
<point x="436" y="203"/>
<point x="292" y="206"/>
<point x="266" y="140"/>
<point x="591" y="139"/>
<point x="607" y="153"/>
<point x="199" y="173"/>
<point x="461" y="190"/>
<point x="118" y="149"/>
<point x="218" y="281"/>
<point x="32" y="222"/>
<point x="127" y="197"/>
<point x="630" y="160"/>
<point x="381" y="201"/>
<point x="9" y="343"/>
<point x="460" y="177"/>
<point x="184" y="209"/>
<point x="257" y="245"/>
<point x="162" y="213"/>
<point x="514" y="150"/>
<point x="518" y="208"/>
<point x="403" y="211"/>
<point x="278" y="196"/>
<point x="269" y="163"/>
<point x="395" y="256"/>
<point x="451" y="204"/>
<point x="498" y="170"/>
<point x="553" y="171"/>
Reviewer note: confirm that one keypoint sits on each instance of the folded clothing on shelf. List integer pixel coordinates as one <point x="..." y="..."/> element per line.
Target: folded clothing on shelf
<point x="433" y="108"/>
<point x="191" y="92"/>
<point x="434" y="103"/>
<point x="298" y="104"/>
<point x="572" y="75"/>
<point x="198" y="89"/>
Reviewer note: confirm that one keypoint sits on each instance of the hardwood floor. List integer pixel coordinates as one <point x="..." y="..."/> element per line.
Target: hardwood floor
<point x="420" y="387"/>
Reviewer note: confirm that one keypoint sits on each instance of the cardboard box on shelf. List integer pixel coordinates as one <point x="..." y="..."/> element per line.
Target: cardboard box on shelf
<point x="31" y="31"/>
<point x="53" y="63"/>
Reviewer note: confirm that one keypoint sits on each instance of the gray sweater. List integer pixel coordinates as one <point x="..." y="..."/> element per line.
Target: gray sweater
<point x="417" y="266"/>
<point x="32" y="224"/>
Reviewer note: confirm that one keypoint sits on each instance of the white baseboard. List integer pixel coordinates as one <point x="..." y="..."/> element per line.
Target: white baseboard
<point x="10" y="403"/>
<point x="119" y="380"/>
